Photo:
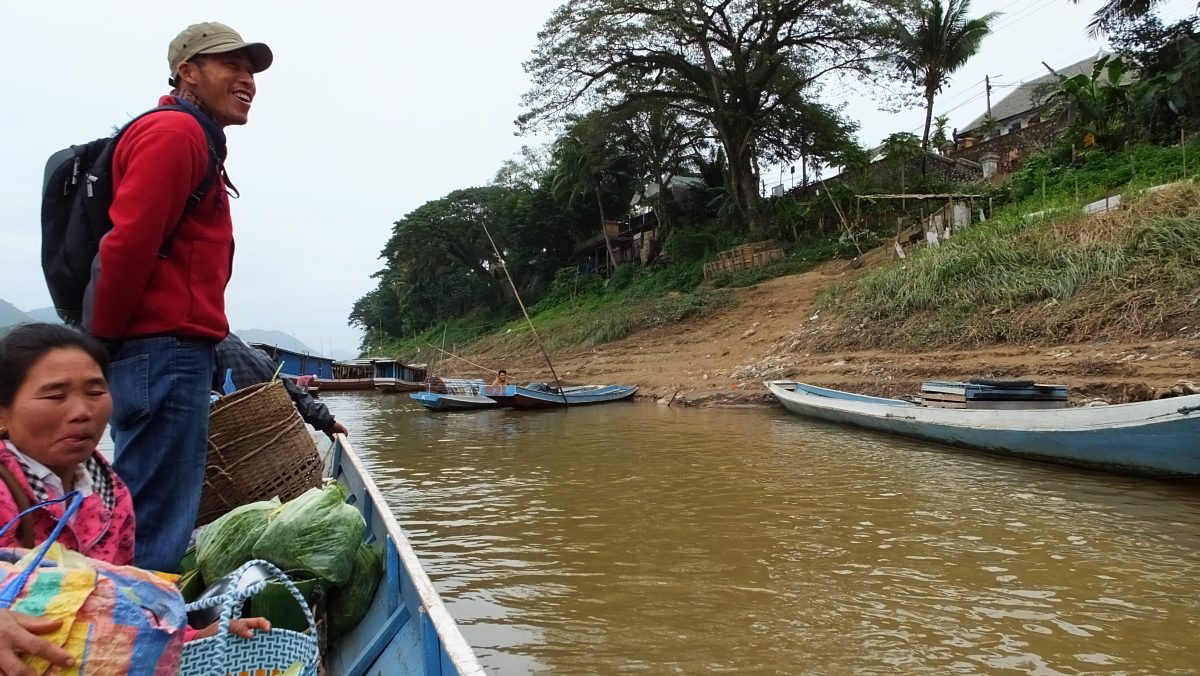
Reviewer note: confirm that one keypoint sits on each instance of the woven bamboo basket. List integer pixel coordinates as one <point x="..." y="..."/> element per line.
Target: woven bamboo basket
<point x="258" y="448"/>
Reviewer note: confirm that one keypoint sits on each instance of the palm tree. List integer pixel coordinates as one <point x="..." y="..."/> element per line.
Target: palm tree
<point x="942" y="41"/>
<point x="582" y="164"/>
<point x="940" y="124"/>
<point x="898" y="149"/>
<point x="1112" y="12"/>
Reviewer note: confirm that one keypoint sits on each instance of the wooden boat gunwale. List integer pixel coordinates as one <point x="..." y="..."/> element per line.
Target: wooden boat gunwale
<point x="408" y="629"/>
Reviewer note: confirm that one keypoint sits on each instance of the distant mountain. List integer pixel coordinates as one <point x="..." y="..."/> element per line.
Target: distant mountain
<point x="10" y="314"/>
<point x="45" y="314"/>
<point x="277" y="339"/>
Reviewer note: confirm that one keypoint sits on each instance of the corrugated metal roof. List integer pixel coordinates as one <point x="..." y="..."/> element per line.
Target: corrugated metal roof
<point x="1020" y="100"/>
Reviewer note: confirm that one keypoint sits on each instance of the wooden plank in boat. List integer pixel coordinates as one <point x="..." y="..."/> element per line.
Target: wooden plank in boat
<point x="968" y="391"/>
<point x="985" y="405"/>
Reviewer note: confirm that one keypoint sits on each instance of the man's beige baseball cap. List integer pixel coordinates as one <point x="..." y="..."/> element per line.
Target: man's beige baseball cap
<point x="215" y="38"/>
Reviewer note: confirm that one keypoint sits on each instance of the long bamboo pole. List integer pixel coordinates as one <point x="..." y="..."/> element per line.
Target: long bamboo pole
<point x="517" y="295"/>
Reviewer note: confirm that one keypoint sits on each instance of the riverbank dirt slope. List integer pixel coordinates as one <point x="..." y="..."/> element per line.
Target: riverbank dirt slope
<point x="721" y="359"/>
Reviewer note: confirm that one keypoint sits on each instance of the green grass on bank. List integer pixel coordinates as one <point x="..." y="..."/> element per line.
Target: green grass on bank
<point x="1056" y="276"/>
<point x="585" y="310"/>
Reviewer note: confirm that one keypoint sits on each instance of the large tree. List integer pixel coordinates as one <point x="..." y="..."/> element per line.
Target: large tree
<point x="739" y="66"/>
<point x="664" y="146"/>
<point x="938" y="40"/>
<point x="587" y="162"/>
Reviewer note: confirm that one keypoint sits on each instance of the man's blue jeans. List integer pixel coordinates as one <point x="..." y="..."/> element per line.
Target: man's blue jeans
<point x="160" y="389"/>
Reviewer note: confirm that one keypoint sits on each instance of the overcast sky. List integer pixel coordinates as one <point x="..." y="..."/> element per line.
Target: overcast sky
<point x="370" y="110"/>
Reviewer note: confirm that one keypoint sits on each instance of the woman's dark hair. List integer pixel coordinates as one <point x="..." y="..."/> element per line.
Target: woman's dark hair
<point x="25" y="344"/>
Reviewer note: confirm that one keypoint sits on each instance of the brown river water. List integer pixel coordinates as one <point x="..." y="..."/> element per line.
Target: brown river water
<point x="633" y="538"/>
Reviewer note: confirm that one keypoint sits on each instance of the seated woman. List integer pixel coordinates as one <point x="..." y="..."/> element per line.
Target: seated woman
<point x="54" y="407"/>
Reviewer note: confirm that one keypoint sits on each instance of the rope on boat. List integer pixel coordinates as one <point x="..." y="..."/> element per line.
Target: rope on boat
<point x="517" y="294"/>
<point x="1188" y="410"/>
<point x="454" y="356"/>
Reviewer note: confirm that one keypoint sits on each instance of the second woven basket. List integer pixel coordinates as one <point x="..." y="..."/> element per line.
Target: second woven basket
<point x="258" y="448"/>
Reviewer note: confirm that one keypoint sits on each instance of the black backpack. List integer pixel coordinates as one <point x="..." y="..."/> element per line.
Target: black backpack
<point x="76" y="195"/>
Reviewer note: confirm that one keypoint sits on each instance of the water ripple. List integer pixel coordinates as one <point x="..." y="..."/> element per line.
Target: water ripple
<point x="644" y="539"/>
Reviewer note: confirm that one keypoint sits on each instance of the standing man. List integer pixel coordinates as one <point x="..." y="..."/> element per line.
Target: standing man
<point x="157" y="294"/>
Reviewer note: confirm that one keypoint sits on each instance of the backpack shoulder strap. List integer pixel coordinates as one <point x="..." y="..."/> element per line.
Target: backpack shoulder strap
<point x="215" y="166"/>
<point x="25" y="533"/>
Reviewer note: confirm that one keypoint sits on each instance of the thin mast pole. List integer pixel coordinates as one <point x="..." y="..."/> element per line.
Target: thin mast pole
<point x="517" y="294"/>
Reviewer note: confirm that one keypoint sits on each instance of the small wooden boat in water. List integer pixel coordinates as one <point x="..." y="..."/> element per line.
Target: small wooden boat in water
<point x="544" y="396"/>
<point x="453" y="402"/>
<point x="407" y="629"/>
<point x="1154" y="438"/>
<point x="456" y="394"/>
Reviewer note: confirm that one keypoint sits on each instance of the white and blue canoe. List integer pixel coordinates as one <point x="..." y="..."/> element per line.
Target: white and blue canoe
<point x="457" y="394"/>
<point x="435" y="401"/>
<point x="407" y="629"/>
<point x="1151" y="438"/>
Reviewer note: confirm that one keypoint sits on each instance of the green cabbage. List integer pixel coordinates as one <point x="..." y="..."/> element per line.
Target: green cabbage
<point x="350" y="602"/>
<point x="316" y="533"/>
<point x="229" y="541"/>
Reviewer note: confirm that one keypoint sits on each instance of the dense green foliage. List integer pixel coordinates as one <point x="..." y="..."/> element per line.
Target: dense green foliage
<point x="673" y="107"/>
<point x="749" y="72"/>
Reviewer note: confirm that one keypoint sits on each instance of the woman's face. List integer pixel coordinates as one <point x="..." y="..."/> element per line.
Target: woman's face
<point x="60" y="410"/>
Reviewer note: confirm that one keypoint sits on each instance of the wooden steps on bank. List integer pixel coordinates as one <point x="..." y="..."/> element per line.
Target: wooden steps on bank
<point x="744" y="257"/>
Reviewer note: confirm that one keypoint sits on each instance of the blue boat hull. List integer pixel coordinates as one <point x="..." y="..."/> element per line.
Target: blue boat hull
<point x="407" y="630"/>
<point x="1159" y="438"/>
<point x="524" y="397"/>
<point x="453" y="402"/>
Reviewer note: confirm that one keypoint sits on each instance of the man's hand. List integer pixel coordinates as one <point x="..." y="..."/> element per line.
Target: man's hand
<point x="19" y="636"/>
<point x="336" y="428"/>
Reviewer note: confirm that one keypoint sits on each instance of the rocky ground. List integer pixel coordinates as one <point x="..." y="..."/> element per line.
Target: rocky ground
<point x="722" y="359"/>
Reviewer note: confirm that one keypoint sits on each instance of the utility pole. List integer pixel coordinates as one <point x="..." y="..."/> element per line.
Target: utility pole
<point x="987" y="80"/>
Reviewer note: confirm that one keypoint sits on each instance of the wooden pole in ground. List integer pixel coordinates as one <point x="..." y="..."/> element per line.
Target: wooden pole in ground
<point x="842" y="218"/>
<point x="1044" y="214"/>
<point x="517" y="295"/>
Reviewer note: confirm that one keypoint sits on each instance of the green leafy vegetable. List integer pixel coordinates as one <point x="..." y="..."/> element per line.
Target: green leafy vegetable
<point x="317" y="533"/>
<point x="229" y="541"/>
<point x="350" y="602"/>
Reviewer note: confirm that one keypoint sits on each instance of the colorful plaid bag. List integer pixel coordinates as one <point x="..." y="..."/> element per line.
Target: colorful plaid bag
<point x="115" y="619"/>
<point x="279" y="651"/>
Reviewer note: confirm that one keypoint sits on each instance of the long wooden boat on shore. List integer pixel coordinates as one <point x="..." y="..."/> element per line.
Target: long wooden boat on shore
<point x="407" y="630"/>
<point x="1151" y="438"/>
